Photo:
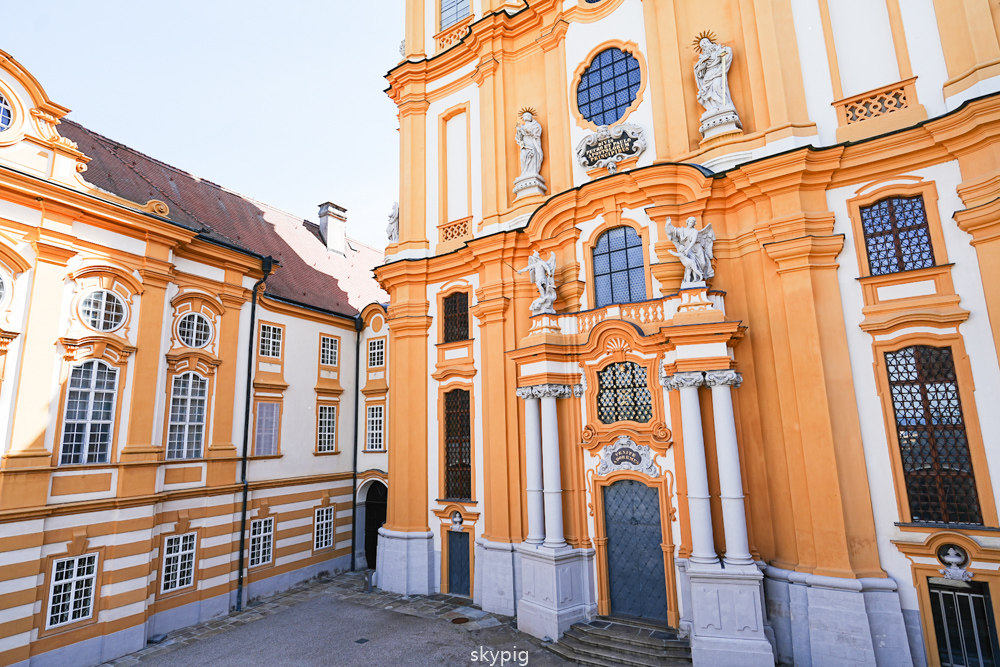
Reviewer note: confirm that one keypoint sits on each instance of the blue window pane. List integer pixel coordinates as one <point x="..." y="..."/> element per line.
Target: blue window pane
<point x="611" y="82"/>
<point x="602" y="264"/>
<point x="619" y="261"/>
<point x="603" y="289"/>
<point x="619" y="267"/>
<point x="637" y="280"/>
<point x="617" y="238"/>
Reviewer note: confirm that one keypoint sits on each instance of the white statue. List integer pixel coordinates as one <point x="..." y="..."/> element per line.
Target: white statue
<point x="712" y="74"/>
<point x="694" y="249"/>
<point x="392" y="230"/>
<point x="543" y="274"/>
<point x="528" y="136"/>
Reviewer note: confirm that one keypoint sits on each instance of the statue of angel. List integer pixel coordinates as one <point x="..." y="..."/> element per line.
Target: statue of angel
<point x="694" y="249"/>
<point x="543" y="274"/>
<point x="392" y="230"/>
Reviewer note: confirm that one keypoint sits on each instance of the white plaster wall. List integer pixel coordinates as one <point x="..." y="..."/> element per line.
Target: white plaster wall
<point x="15" y="319"/>
<point x="923" y="43"/>
<point x="457" y="163"/>
<point x="817" y="80"/>
<point x="470" y="95"/>
<point x="863" y="37"/>
<point x="978" y="339"/>
<point x="298" y="414"/>
<point x="367" y="460"/>
<point x="627" y="24"/>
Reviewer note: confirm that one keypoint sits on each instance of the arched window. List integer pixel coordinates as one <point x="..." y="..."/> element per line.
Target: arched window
<point x="608" y="86"/>
<point x="457" y="445"/>
<point x="89" y="417"/>
<point x="619" y="270"/>
<point x="186" y="432"/>
<point x="623" y="394"/>
<point x="937" y="464"/>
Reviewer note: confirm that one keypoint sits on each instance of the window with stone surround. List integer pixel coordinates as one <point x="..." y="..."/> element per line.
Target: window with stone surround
<point x="178" y="561"/>
<point x="619" y="268"/>
<point x="458" y="445"/>
<point x="72" y="595"/>
<point x="623" y="394"/>
<point x="456" y="317"/>
<point x="88" y="420"/>
<point x="897" y="236"/>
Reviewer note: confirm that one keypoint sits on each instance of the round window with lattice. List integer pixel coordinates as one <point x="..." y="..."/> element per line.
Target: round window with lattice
<point x="102" y="310"/>
<point x="608" y="86"/>
<point x="6" y="113"/>
<point x="194" y="330"/>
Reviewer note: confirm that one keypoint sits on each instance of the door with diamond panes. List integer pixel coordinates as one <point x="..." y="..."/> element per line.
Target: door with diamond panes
<point x="636" y="577"/>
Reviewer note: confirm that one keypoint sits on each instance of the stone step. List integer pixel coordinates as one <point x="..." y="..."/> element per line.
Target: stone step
<point x="676" y="649"/>
<point x="601" y="658"/>
<point x="616" y="656"/>
<point x="632" y="634"/>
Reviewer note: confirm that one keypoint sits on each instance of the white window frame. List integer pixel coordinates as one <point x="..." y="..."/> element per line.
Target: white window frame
<point x="201" y="322"/>
<point x="375" y="433"/>
<point x="275" y="431"/>
<point x="376" y="353"/>
<point x="270" y="341"/>
<point x="178" y="561"/>
<point x="183" y="417"/>
<point x="326" y="428"/>
<point x="102" y="310"/>
<point x="261" y="541"/>
<point x="324" y="527"/>
<point x="329" y="350"/>
<point x="72" y="586"/>
<point x="89" y="423"/>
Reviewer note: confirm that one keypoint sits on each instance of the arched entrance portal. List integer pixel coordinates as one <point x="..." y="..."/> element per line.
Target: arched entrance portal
<point x="375" y="504"/>
<point x="636" y="579"/>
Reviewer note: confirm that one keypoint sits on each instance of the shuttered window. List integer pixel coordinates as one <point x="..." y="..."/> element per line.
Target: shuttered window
<point x="268" y="422"/>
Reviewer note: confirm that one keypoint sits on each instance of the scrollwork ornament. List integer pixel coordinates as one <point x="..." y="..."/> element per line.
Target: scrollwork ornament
<point x="722" y="378"/>
<point x="627" y="460"/>
<point x="660" y="432"/>
<point x="525" y="392"/>
<point x="589" y="433"/>
<point x="546" y="391"/>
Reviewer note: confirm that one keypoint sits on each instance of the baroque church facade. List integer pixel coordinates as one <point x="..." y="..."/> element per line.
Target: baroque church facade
<point x="193" y="393"/>
<point x="692" y="310"/>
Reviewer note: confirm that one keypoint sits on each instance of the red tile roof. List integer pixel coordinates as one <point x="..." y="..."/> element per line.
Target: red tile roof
<point x="309" y="273"/>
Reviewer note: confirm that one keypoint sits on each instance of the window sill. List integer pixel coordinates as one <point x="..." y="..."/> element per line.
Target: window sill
<point x="925" y="525"/>
<point x="264" y="458"/>
<point x="456" y="501"/>
<point x="334" y="453"/>
<point x="373" y="451"/>
<point x="907" y="272"/>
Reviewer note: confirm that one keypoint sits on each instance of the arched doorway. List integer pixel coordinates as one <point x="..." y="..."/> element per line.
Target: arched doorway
<point x="374" y="516"/>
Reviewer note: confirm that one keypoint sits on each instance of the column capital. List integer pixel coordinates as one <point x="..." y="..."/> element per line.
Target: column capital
<point x="724" y="377"/>
<point x="682" y="380"/>
<point x="550" y="391"/>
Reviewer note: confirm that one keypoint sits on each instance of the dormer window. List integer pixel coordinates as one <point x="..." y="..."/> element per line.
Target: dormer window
<point x="6" y="113"/>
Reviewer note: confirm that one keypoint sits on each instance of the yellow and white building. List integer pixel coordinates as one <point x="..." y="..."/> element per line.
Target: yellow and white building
<point x="794" y="464"/>
<point x="191" y="381"/>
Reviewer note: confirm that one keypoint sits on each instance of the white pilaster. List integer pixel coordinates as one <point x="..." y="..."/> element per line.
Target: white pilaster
<point x="533" y="465"/>
<point x="695" y="467"/>
<point x="730" y="479"/>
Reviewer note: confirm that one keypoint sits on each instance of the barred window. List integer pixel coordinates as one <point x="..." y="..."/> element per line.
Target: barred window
<point x="270" y="341"/>
<point x="186" y="432"/>
<point x="6" y="115"/>
<point x="323" y="528"/>
<point x="261" y="541"/>
<point x="90" y="413"/>
<point x="268" y="424"/>
<point x="456" y="317"/>
<point x="453" y="11"/>
<point x="194" y="330"/>
<point x="72" y="596"/>
<point x="619" y="270"/>
<point x="178" y="561"/>
<point x="326" y="439"/>
<point x="623" y="394"/>
<point x="937" y="464"/>
<point x="457" y="445"/>
<point x="896" y="235"/>
<point x="376" y="353"/>
<point x="102" y="310"/>
<point x="608" y="86"/>
<point x="329" y="351"/>
<point x="375" y="440"/>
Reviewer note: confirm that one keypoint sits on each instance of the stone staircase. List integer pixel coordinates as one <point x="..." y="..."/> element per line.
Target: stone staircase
<point x="614" y="643"/>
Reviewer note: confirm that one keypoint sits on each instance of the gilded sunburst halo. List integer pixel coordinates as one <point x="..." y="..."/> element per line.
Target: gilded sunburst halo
<point x="705" y="34"/>
<point x="524" y="110"/>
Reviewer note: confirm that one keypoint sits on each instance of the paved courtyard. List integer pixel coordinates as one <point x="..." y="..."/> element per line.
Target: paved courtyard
<point x="334" y="622"/>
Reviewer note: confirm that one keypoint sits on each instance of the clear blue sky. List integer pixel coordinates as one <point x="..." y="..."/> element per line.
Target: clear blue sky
<point x="279" y="101"/>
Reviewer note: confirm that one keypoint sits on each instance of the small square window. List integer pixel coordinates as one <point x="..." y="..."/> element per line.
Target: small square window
<point x="261" y="541"/>
<point x="270" y="341"/>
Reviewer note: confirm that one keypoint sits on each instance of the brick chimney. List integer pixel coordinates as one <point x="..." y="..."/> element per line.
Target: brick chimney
<point x="333" y="227"/>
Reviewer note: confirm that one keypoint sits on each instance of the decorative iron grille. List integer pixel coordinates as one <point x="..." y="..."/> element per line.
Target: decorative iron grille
<point x="623" y="394"/>
<point x="457" y="446"/>
<point x="619" y="269"/>
<point x="937" y="465"/>
<point x="456" y="317"/>
<point x="896" y="235"/>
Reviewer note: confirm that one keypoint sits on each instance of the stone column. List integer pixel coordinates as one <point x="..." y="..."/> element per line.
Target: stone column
<point x="695" y="467"/>
<point x="734" y="516"/>
<point x="552" y="480"/>
<point x="533" y="464"/>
